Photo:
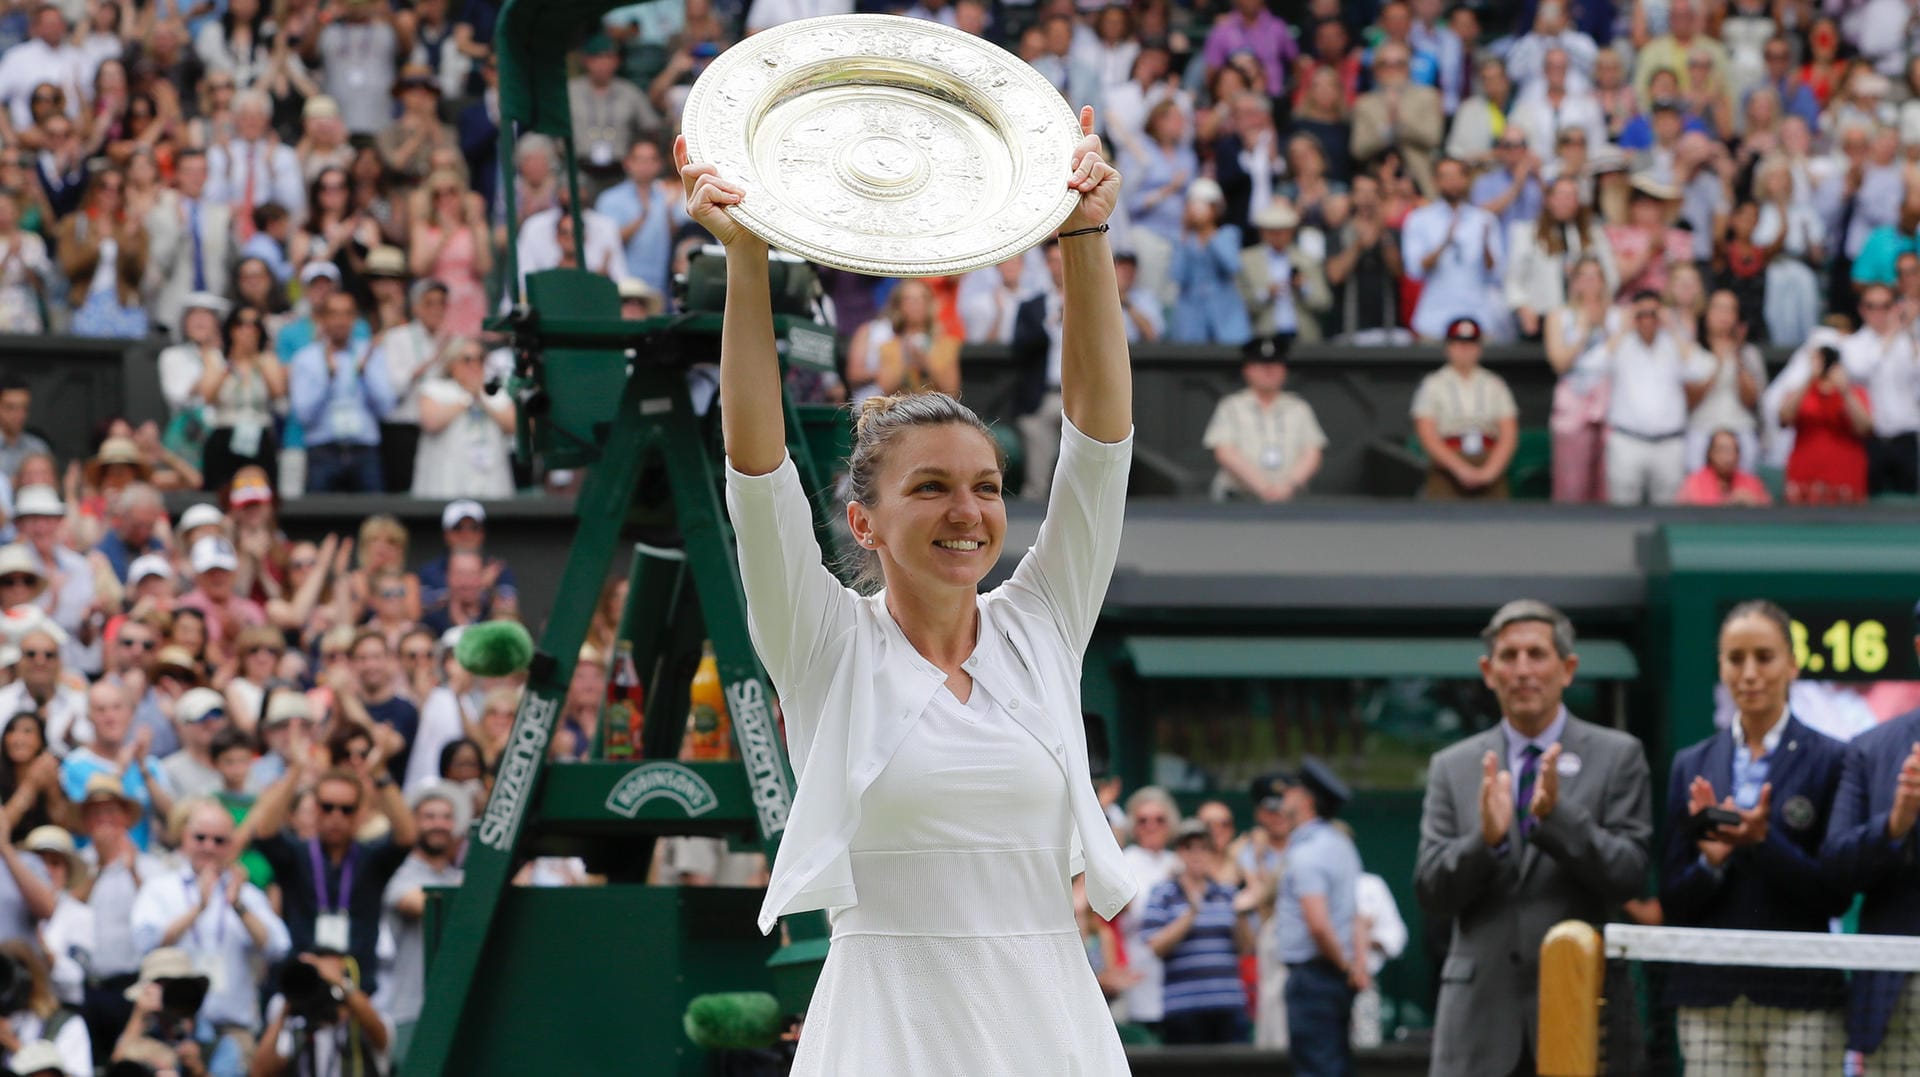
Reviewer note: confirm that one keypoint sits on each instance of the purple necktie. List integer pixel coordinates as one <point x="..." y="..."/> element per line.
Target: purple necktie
<point x="1523" y="789"/>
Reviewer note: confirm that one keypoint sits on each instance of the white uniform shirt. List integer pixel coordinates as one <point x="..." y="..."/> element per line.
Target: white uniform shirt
<point x="851" y="685"/>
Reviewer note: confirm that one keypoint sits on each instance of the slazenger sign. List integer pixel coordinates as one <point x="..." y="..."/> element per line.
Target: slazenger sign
<point x="518" y="766"/>
<point x="753" y="727"/>
<point x="651" y="781"/>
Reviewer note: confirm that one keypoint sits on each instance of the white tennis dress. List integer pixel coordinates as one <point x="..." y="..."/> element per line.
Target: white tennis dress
<point x="941" y="837"/>
<point x="962" y="956"/>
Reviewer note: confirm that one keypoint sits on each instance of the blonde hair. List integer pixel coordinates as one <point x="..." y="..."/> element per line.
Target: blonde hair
<point x="381" y="525"/>
<point x="877" y="421"/>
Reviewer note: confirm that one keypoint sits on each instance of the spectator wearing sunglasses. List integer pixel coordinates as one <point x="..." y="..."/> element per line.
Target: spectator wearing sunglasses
<point x="222" y="921"/>
<point x="1152" y="817"/>
<point x="331" y="885"/>
<point x="40" y="688"/>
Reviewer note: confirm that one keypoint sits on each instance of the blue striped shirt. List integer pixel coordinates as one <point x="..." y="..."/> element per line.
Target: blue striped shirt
<point x="1203" y="972"/>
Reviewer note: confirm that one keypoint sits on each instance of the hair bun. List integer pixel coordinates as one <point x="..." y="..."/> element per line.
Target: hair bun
<point x="870" y="409"/>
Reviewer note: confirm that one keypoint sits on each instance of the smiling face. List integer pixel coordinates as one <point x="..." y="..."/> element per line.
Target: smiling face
<point x="937" y="520"/>
<point x="1527" y="673"/>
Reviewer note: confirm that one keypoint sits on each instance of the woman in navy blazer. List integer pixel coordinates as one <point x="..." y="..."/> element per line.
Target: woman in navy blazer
<point x="1762" y="874"/>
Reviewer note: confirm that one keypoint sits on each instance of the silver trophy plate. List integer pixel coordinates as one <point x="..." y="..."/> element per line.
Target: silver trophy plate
<point x="886" y="145"/>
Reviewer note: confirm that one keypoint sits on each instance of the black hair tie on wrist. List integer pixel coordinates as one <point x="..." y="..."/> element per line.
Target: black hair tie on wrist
<point x="1095" y="230"/>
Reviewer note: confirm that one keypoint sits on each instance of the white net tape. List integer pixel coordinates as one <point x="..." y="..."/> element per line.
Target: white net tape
<point x="1763" y="949"/>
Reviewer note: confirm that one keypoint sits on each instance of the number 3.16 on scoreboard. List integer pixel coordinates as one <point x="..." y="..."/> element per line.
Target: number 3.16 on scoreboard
<point x="1837" y="646"/>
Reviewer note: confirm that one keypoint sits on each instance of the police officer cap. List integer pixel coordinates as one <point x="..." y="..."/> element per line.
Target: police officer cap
<point x="1270" y="787"/>
<point x="1330" y="794"/>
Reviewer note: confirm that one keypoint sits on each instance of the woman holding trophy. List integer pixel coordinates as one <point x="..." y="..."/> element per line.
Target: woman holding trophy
<point x="944" y="802"/>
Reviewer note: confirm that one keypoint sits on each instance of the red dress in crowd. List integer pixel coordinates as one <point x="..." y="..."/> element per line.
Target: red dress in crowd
<point x="1829" y="461"/>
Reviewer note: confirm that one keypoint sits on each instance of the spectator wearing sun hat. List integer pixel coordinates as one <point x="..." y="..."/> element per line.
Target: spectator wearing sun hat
<point x="1281" y="280"/>
<point x="68" y="933"/>
<point x="122" y="756"/>
<point x="640" y="300"/>
<point x="38" y="513"/>
<point x="1208" y="309"/>
<point x="22" y="580"/>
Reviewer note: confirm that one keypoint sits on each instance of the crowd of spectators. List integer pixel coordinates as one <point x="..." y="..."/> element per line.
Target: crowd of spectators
<point x="234" y="760"/>
<point x="304" y="199"/>
<point x="1202" y="954"/>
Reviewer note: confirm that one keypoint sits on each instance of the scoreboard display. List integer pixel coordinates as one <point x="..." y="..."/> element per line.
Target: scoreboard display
<point x="1855" y="641"/>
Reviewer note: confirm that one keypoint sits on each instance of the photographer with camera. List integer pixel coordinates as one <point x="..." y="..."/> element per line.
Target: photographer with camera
<point x="332" y="884"/>
<point x="223" y="924"/>
<point x="321" y="1023"/>
<point x="31" y="1012"/>
<point x="166" y="1001"/>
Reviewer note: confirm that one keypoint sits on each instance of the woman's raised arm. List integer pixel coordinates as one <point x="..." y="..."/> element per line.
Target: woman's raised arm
<point x="1096" y="377"/>
<point x="752" y="417"/>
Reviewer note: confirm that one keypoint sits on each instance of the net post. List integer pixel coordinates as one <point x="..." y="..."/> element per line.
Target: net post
<point x="1572" y="968"/>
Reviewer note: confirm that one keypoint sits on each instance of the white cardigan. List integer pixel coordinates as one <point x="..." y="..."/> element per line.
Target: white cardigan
<point x="851" y="686"/>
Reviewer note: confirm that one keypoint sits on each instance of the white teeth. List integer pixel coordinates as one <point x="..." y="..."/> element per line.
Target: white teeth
<point x="957" y="544"/>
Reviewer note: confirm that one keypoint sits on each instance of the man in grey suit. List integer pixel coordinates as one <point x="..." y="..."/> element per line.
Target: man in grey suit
<point x="188" y="243"/>
<point x="1540" y="819"/>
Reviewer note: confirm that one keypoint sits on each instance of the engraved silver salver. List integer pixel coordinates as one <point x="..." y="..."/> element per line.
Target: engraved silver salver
<point x="886" y="145"/>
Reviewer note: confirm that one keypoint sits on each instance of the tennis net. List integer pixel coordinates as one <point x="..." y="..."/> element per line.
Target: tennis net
<point x="1713" y="1003"/>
